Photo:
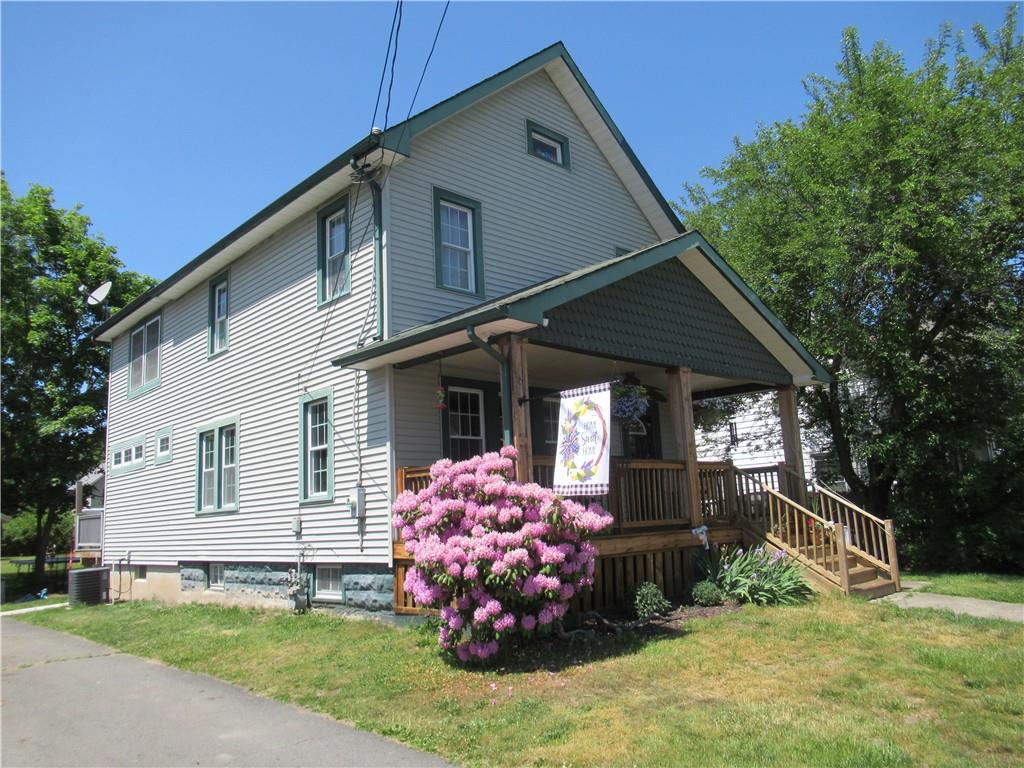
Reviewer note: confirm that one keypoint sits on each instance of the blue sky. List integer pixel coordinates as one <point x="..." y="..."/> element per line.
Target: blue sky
<point x="174" y="122"/>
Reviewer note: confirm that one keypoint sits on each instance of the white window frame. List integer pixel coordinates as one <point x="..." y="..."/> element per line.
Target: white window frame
<point x="162" y="456"/>
<point x="545" y="421"/>
<point x="213" y="460"/>
<point x="215" y="582"/>
<point x="480" y="418"/>
<point x="341" y="257"/>
<point x="469" y="252"/>
<point x="219" y="342"/>
<point x="128" y="456"/>
<point x="539" y="138"/>
<point x="316" y="447"/>
<point x="321" y="593"/>
<point x="143" y="350"/>
<point x="307" y="449"/>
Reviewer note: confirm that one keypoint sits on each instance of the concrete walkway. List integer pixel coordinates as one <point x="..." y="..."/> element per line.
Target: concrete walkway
<point x="70" y="702"/>
<point x="983" y="609"/>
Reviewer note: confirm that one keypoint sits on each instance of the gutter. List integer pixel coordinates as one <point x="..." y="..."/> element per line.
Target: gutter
<point x="506" y="383"/>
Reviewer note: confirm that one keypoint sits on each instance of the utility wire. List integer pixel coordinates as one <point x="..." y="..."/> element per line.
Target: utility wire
<point x="384" y="69"/>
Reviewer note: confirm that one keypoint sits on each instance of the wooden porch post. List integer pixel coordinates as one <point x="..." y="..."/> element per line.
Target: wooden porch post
<point x="791" y="447"/>
<point x="680" y="403"/>
<point x="514" y="348"/>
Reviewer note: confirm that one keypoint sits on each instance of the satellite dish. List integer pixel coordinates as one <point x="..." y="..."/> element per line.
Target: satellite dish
<point x="96" y="297"/>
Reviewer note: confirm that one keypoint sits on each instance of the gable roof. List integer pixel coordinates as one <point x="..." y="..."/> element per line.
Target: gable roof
<point x="329" y="180"/>
<point x="526" y="310"/>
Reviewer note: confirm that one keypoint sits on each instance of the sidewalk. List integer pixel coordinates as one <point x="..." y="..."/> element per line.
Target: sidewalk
<point x="982" y="609"/>
<point x="72" y="702"/>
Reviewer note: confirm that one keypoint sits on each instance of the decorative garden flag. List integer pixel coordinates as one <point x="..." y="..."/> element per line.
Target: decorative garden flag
<point x="581" y="459"/>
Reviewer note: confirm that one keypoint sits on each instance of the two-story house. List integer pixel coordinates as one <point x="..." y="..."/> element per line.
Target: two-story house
<point x="270" y="398"/>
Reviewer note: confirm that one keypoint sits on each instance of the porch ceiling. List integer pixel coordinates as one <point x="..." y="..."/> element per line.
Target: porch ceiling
<point x="557" y="369"/>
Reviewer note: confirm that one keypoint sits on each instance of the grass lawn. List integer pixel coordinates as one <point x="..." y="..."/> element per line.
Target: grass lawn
<point x="835" y="682"/>
<point x="985" y="586"/>
<point x="50" y="599"/>
<point x="18" y="584"/>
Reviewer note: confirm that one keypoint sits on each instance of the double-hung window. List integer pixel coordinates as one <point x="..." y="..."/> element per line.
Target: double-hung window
<point x="465" y="422"/>
<point x="457" y="236"/>
<point x="333" y="264"/>
<point x="316" y="460"/>
<point x="164" y="446"/>
<point x="144" y="356"/>
<point x="218" y="467"/>
<point x="547" y="144"/>
<point x="218" y="333"/>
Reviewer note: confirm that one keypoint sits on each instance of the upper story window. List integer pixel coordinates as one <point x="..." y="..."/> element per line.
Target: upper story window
<point x="217" y="473"/>
<point x="218" y="332"/>
<point x="316" y="461"/>
<point x="457" y="242"/>
<point x="144" y="356"/>
<point x="333" y="264"/>
<point x="128" y="456"/>
<point x="547" y="144"/>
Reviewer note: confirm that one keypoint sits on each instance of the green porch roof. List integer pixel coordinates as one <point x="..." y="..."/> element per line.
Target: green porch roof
<point x="676" y="303"/>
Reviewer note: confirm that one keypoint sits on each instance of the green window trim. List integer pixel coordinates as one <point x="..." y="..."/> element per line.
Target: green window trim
<point x="324" y="215"/>
<point x="217" y="428"/>
<point x="154" y="382"/>
<point x="444" y="196"/>
<point x="551" y="137"/>
<point x="124" y="468"/>
<point x="159" y="458"/>
<point x="224" y="278"/>
<point x="305" y="497"/>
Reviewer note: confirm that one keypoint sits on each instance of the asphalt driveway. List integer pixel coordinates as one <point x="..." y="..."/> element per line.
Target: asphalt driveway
<point x="66" y="701"/>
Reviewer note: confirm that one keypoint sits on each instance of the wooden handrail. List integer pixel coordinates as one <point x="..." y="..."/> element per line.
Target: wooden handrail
<point x="842" y="500"/>
<point x="798" y="507"/>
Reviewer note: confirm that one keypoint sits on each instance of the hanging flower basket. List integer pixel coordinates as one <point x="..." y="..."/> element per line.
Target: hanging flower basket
<point x="442" y="398"/>
<point x="630" y="401"/>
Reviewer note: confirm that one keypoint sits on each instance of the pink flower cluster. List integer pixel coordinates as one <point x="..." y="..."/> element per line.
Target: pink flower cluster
<point x="500" y="558"/>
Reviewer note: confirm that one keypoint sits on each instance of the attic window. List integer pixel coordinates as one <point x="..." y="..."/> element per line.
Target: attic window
<point x="547" y="144"/>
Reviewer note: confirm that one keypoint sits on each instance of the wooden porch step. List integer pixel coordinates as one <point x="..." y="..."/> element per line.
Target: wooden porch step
<point x="877" y="587"/>
<point x="860" y="574"/>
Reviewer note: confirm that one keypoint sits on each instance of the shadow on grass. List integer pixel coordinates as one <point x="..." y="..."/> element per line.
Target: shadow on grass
<point x="552" y="653"/>
<point x="18" y="585"/>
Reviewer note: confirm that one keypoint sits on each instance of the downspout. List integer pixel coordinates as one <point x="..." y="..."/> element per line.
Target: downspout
<point x="506" y="384"/>
<point x="378" y="258"/>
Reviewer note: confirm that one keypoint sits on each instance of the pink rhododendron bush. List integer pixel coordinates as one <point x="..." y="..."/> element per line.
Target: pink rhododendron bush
<point x="501" y="559"/>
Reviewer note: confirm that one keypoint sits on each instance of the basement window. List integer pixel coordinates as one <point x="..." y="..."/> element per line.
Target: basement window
<point x="216" y="575"/>
<point x="328" y="582"/>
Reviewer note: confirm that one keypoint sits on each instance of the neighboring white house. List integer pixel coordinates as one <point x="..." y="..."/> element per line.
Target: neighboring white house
<point x="263" y="397"/>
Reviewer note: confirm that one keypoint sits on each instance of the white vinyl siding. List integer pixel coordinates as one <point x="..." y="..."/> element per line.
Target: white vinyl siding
<point x="144" y="371"/>
<point x="539" y="221"/>
<point x="281" y="342"/>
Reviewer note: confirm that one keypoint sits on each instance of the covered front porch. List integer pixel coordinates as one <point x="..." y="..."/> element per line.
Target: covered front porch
<point x="673" y="318"/>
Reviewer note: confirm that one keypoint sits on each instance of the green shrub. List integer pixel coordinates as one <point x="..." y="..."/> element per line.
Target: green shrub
<point x="650" y="601"/>
<point x="761" y="577"/>
<point x="707" y="593"/>
<point x="19" y="535"/>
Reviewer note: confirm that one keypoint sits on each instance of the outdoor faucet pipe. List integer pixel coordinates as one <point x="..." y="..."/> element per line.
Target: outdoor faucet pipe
<point x="506" y="384"/>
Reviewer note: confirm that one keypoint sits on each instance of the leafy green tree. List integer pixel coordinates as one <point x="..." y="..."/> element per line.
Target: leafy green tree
<point x="54" y="384"/>
<point x="886" y="228"/>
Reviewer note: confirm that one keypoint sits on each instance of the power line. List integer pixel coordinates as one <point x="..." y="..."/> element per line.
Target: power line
<point x="391" y="82"/>
<point x="384" y="68"/>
